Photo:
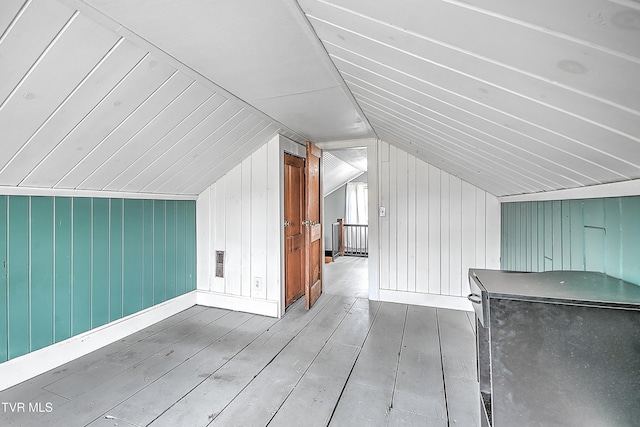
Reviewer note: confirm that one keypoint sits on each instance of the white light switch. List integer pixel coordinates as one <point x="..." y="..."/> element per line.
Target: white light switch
<point x="383" y="211"/>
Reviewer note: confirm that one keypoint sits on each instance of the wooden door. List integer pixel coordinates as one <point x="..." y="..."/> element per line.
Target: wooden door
<point x="313" y="226"/>
<point x="293" y="230"/>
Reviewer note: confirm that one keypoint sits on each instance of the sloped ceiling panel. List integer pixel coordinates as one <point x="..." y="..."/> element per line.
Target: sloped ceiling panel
<point x="356" y="157"/>
<point x="261" y="51"/>
<point x="336" y="172"/>
<point x="83" y="108"/>
<point x="511" y="97"/>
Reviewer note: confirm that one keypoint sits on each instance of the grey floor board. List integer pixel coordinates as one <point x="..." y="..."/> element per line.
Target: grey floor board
<point x="375" y="370"/>
<point x="362" y="405"/>
<point x="457" y="342"/>
<point x="264" y="395"/>
<point x="398" y="418"/>
<point x="83" y="380"/>
<point x="152" y="401"/>
<point x="210" y="397"/>
<point x="419" y="387"/>
<point x="347" y="276"/>
<point x="316" y="395"/>
<point x="378" y="361"/>
<point x="99" y="398"/>
<point x="346" y="362"/>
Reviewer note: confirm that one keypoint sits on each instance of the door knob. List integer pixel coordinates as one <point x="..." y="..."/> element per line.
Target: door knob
<point x="287" y="224"/>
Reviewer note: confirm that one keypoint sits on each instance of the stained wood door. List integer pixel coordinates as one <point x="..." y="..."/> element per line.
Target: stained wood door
<point x="293" y="229"/>
<point x="313" y="226"/>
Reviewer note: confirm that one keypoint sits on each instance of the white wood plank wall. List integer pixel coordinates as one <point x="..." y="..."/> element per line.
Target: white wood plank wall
<point x="436" y="227"/>
<point x="239" y="214"/>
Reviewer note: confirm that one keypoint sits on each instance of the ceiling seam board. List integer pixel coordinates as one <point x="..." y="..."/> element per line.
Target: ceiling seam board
<point x="611" y="122"/>
<point x="478" y="140"/>
<point x="139" y="41"/>
<point x="332" y="66"/>
<point x="103" y="95"/>
<point x="470" y="100"/>
<point x="488" y="83"/>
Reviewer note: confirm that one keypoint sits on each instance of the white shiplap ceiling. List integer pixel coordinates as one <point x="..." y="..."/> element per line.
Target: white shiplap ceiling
<point x="337" y="172"/>
<point x="164" y="97"/>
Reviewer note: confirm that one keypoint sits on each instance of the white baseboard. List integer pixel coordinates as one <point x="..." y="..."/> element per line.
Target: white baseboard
<point x="428" y="300"/>
<point x="22" y="368"/>
<point x="238" y="303"/>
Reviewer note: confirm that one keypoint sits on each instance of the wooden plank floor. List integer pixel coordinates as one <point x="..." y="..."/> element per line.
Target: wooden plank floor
<point x="346" y="362"/>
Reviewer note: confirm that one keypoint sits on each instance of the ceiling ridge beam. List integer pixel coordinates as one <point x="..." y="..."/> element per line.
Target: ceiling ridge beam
<point x="331" y="66"/>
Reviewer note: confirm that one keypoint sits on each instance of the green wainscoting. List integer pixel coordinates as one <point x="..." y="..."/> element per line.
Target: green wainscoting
<point x="590" y="234"/>
<point x="68" y="265"/>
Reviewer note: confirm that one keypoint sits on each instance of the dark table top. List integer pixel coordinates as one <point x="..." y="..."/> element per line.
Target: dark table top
<point x="569" y="287"/>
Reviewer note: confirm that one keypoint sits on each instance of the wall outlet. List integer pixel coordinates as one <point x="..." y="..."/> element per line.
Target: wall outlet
<point x="257" y="284"/>
<point x="383" y="211"/>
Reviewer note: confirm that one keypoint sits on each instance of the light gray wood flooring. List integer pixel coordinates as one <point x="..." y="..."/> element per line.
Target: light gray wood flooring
<point x="346" y="362"/>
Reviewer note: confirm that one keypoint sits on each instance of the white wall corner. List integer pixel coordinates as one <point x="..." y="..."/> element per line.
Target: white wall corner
<point x="22" y="368"/>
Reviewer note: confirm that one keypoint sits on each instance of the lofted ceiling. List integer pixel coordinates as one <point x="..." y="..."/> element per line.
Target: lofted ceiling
<point x="164" y="97"/>
<point x="342" y="166"/>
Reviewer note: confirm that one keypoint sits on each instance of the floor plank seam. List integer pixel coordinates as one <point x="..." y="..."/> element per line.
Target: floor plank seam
<point x="209" y="376"/>
<point x="395" y="379"/>
<point x="271" y="360"/>
<point x="444" y="382"/>
<point x="105" y="414"/>
<point x="335" y="407"/>
<point x="310" y="364"/>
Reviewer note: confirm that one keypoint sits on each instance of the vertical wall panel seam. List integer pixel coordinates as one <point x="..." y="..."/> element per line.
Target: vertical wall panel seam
<point x="122" y="243"/>
<point x="164" y="245"/>
<point x="584" y="240"/>
<point x="153" y="252"/>
<point x="71" y="275"/>
<point x="109" y="261"/>
<point x="53" y="277"/>
<point x="8" y="275"/>
<point x="91" y="254"/>
<point x="29" y="296"/>
<point x="142" y="262"/>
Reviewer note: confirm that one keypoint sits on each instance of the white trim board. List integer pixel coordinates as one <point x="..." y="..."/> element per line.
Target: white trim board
<point x="237" y="303"/>
<point x="61" y="192"/>
<point x="427" y="300"/>
<point x="22" y="368"/>
<point x="614" y="189"/>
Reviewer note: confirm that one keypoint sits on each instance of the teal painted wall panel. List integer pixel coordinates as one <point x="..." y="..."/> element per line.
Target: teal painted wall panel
<point x="170" y="249"/>
<point x="81" y="266"/>
<point x="41" y="279"/>
<point x="147" y="255"/>
<point x="115" y="259"/>
<point x="576" y="246"/>
<point x="191" y="246"/>
<point x="591" y="234"/>
<point x="133" y="256"/>
<point x="62" y="284"/>
<point x="71" y="264"/>
<point x="3" y="279"/>
<point x="181" y="241"/>
<point x="159" y="248"/>
<point x="18" y="276"/>
<point x="100" y="263"/>
<point x="630" y="238"/>
<point x="613" y="239"/>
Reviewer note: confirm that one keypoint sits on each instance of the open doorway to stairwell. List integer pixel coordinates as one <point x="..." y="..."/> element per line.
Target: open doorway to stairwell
<point x="346" y="222"/>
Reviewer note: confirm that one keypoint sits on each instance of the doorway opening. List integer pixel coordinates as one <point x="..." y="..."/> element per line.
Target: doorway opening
<point x="346" y="219"/>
